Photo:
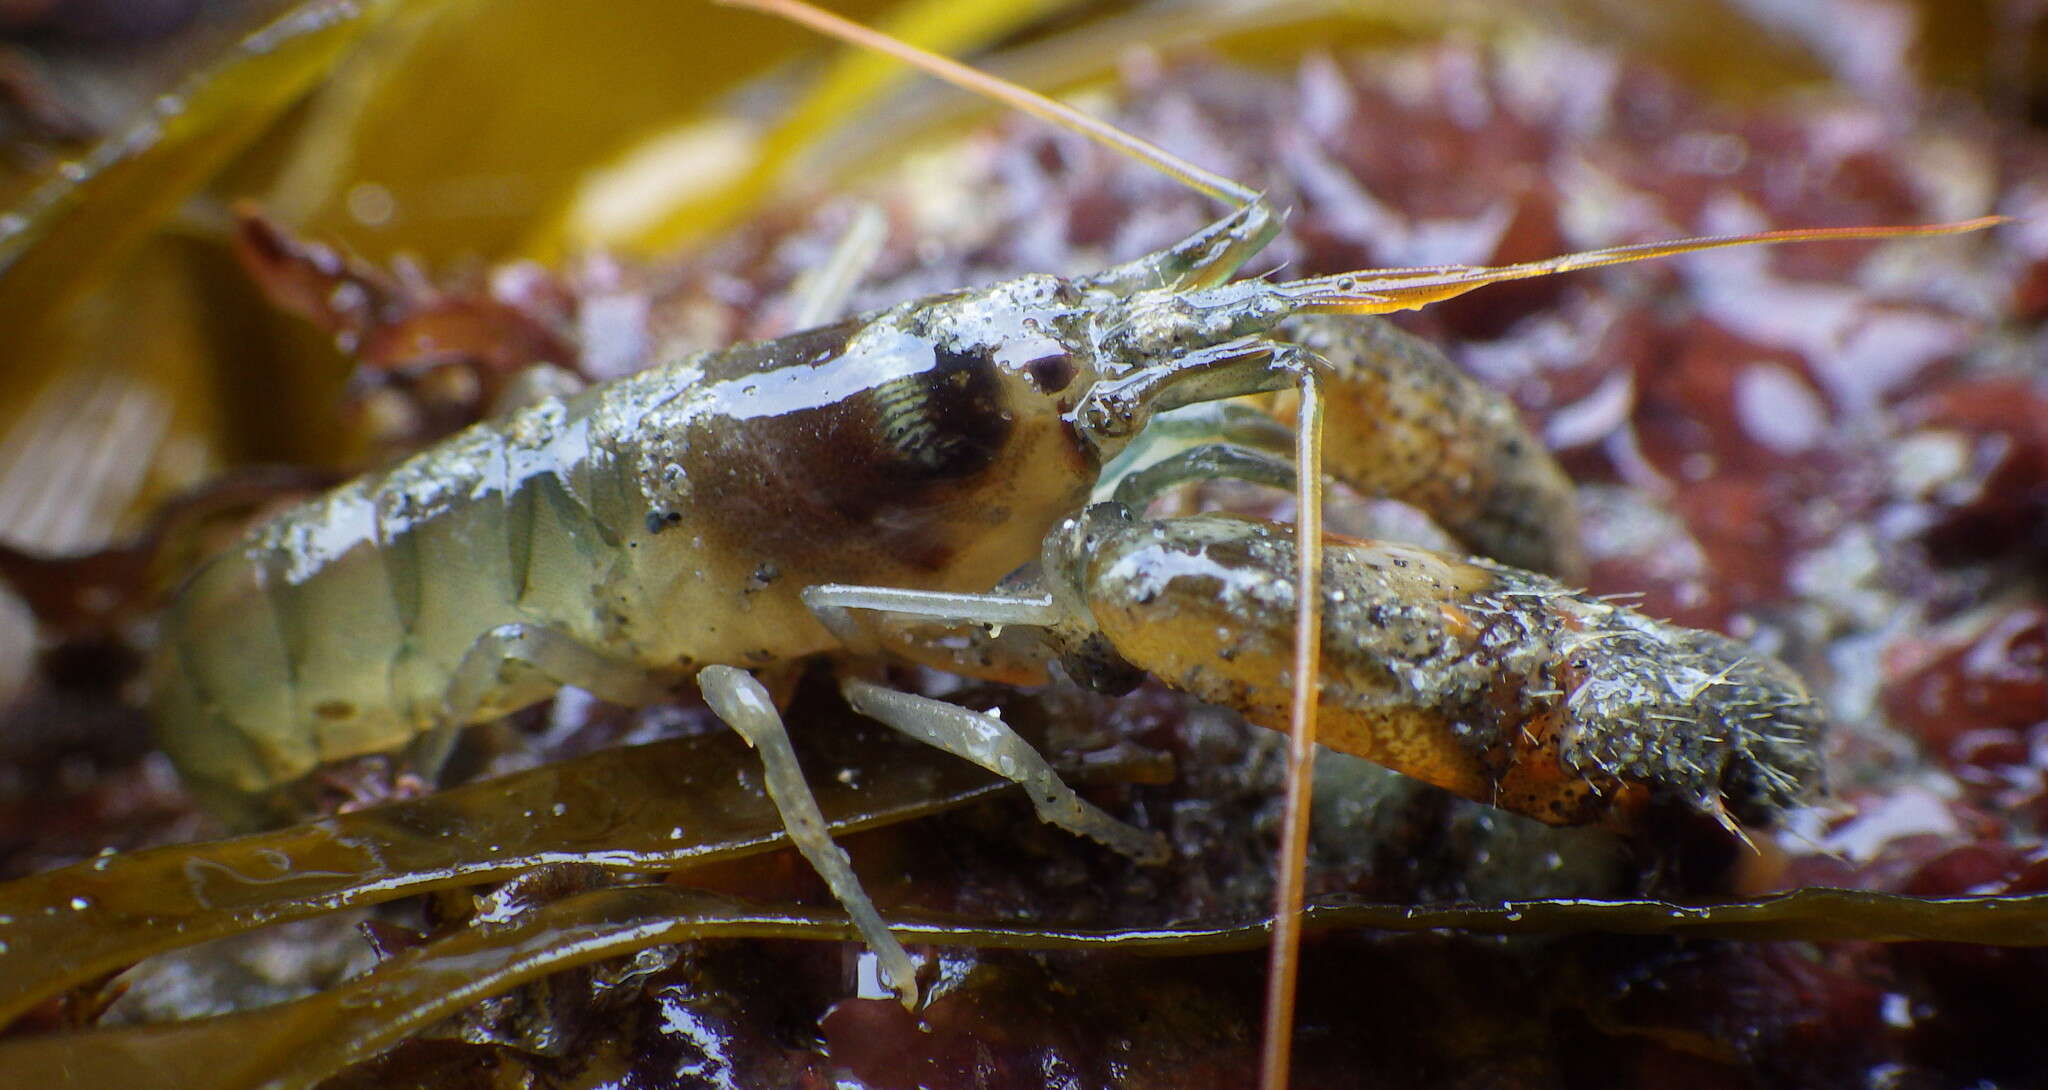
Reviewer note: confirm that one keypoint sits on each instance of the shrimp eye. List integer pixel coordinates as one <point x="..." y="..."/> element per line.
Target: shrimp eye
<point x="1051" y="374"/>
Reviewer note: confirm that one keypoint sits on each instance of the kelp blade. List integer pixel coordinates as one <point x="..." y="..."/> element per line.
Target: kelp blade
<point x="299" y="1044"/>
<point x="642" y="809"/>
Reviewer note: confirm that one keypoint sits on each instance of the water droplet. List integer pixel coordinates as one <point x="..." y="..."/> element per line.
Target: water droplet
<point x="80" y="904"/>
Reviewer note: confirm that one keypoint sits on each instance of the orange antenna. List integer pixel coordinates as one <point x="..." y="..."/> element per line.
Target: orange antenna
<point x="1383" y="291"/>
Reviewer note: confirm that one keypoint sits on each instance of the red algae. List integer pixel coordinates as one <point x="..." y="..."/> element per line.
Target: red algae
<point x="1989" y="677"/>
<point x="1999" y="499"/>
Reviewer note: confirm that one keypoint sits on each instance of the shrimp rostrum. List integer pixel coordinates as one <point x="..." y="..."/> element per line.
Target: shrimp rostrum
<point x="906" y="475"/>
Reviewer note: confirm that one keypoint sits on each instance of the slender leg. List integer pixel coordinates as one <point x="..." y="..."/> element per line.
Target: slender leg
<point x="744" y="705"/>
<point x="1232" y="422"/>
<point x="994" y="637"/>
<point x="1204" y="463"/>
<point x="983" y="739"/>
<point x="1115" y="409"/>
<point x="990" y="743"/>
<point x="831" y="601"/>
<point x="514" y="664"/>
<point x="428" y="753"/>
<point x="493" y="667"/>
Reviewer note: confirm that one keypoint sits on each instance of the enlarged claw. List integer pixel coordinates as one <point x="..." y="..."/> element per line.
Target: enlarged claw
<point x="1492" y="682"/>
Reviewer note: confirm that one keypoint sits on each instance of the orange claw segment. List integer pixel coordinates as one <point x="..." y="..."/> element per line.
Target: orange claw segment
<point x="1536" y="781"/>
<point x="1384" y="291"/>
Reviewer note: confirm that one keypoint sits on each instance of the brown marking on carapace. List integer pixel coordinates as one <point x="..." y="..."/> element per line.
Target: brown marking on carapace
<point x="889" y="440"/>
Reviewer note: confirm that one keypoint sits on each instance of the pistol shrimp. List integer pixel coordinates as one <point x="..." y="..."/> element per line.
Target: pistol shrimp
<point x="742" y="509"/>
